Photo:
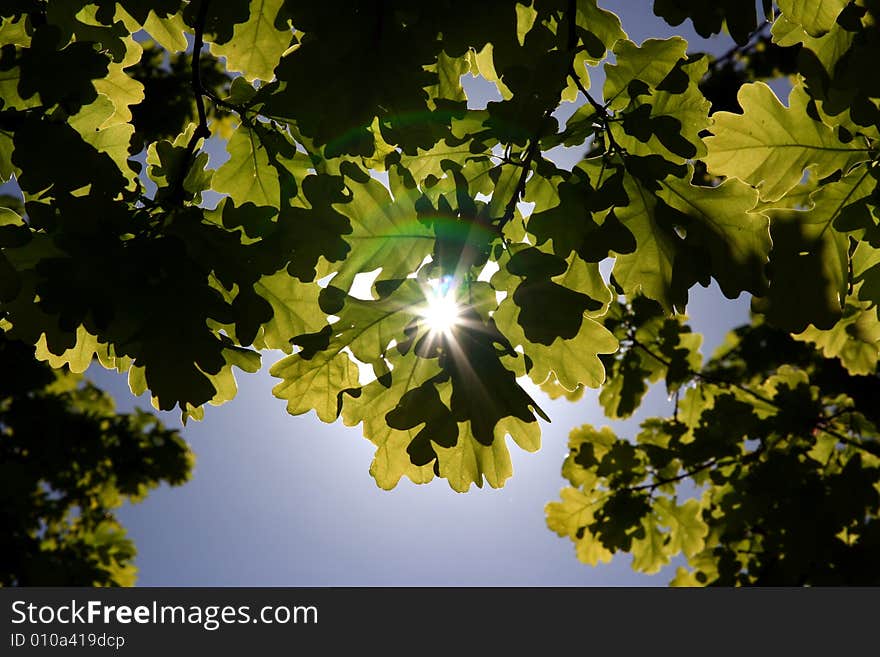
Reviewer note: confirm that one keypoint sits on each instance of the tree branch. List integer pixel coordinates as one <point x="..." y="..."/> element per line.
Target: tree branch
<point x="728" y="56"/>
<point x="870" y="448"/>
<point x="238" y="109"/>
<point x="526" y="164"/>
<point x="571" y="14"/>
<point x="684" y="475"/>
<point x="822" y="423"/>
<point x="201" y="130"/>
<point x="535" y="143"/>
<point x="601" y="112"/>
<point x="708" y="378"/>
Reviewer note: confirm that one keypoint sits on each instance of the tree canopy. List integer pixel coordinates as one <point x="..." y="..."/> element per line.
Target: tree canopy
<point x="67" y="461"/>
<point x="766" y="473"/>
<point x="353" y="157"/>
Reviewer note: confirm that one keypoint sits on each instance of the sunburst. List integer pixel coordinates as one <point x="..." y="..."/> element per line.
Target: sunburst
<point x="441" y="312"/>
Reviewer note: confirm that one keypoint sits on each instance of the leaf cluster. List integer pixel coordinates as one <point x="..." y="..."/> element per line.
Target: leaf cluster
<point x="359" y="182"/>
<point x="767" y="473"/>
<point x="67" y="461"/>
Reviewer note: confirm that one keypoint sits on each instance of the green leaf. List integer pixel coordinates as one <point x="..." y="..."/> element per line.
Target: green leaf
<point x="257" y="44"/>
<point x="687" y="530"/>
<point x="647" y="64"/>
<point x="168" y="31"/>
<point x="572" y="362"/>
<point x="664" y="347"/>
<point x="392" y="460"/>
<point x="525" y="19"/>
<point x="625" y="386"/>
<point x="854" y="339"/>
<point x="724" y="224"/>
<point x="547" y="310"/>
<point x="224" y="381"/>
<point x="568" y="518"/>
<point x="316" y="376"/>
<point x="168" y="160"/>
<point x="77" y="358"/>
<point x="586" y="447"/>
<point x="61" y="72"/>
<point x="295" y="310"/>
<point x="433" y="161"/>
<point x="248" y="176"/>
<point x="770" y="145"/>
<point x="99" y="126"/>
<point x="15" y="31"/>
<point x="827" y="49"/>
<point x="415" y="413"/>
<point x="368" y="327"/>
<point x="10" y="79"/>
<point x="470" y="461"/>
<point x="598" y="28"/>
<point x="816" y="18"/>
<point x="809" y="262"/>
<point x="7" y="168"/>
<point x="315" y="383"/>
<point x="386" y="233"/>
<point x="650" y="552"/>
<point x="866" y="273"/>
<point x="122" y="90"/>
<point x="653" y="269"/>
<point x="567" y="208"/>
<point x="668" y="122"/>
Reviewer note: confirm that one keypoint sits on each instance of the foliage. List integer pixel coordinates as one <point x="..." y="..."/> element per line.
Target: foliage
<point x="67" y="460"/>
<point x="767" y="473"/>
<point x="121" y="259"/>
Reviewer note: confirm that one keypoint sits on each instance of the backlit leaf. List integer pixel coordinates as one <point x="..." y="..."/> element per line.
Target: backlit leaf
<point x="770" y="145"/>
<point x="257" y="45"/>
<point x="816" y="18"/>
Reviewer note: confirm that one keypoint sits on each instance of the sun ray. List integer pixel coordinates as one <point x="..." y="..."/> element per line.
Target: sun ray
<point x="442" y="311"/>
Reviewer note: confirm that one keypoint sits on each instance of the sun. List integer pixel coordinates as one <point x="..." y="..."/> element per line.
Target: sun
<point x="442" y="311"/>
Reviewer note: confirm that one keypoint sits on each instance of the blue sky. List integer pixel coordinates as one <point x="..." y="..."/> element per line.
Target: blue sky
<point x="288" y="501"/>
<point x="281" y="500"/>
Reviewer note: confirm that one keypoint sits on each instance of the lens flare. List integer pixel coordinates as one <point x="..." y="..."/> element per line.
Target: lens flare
<point x="441" y="312"/>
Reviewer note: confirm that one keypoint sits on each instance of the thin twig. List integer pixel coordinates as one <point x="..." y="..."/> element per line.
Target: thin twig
<point x="684" y="475"/>
<point x="201" y="130"/>
<point x="526" y="164"/>
<point x="822" y="423"/>
<point x="708" y="378"/>
<point x="534" y="147"/>
<point x="571" y="15"/>
<point x="220" y="102"/>
<point x="601" y="112"/>
<point x="721" y="60"/>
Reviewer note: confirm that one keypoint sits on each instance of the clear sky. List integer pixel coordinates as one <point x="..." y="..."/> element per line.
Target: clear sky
<point x="288" y="501"/>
